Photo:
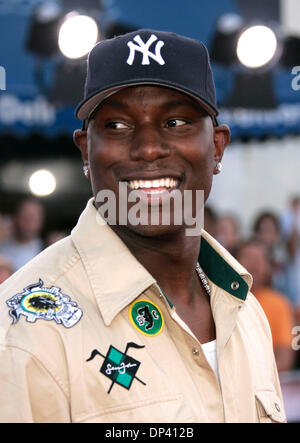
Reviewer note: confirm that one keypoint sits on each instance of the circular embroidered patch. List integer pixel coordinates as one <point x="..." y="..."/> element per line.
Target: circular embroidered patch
<point x="40" y="302"/>
<point x="146" y="317"/>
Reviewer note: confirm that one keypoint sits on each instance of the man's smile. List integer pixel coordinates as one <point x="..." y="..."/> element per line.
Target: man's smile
<point x="155" y="186"/>
<point x="153" y="182"/>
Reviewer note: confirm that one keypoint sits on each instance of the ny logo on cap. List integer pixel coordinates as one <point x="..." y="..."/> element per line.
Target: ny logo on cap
<point x="144" y="49"/>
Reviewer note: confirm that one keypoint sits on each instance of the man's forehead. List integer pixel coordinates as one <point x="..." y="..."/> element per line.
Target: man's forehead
<point x="160" y="96"/>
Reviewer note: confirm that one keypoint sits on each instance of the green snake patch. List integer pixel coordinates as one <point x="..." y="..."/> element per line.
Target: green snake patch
<point x="146" y="317"/>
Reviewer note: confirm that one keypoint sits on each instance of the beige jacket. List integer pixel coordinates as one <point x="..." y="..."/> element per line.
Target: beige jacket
<point x="87" y="335"/>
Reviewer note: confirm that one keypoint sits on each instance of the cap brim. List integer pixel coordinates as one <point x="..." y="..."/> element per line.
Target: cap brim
<point x="88" y="106"/>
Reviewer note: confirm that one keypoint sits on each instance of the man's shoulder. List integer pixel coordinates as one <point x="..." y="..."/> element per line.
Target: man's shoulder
<point x="36" y="291"/>
<point x="254" y="317"/>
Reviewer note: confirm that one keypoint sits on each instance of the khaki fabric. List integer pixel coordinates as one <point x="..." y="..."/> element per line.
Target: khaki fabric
<point x="44" y="372"/>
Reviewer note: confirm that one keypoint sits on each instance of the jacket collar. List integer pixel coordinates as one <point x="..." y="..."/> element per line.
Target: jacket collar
<point x="117" y="277"/>
<point x="222" y="269"/>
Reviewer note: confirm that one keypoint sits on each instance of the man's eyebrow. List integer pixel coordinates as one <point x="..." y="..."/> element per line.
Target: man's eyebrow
<point x="108" y="102"/>
<point x="182" y="102"/>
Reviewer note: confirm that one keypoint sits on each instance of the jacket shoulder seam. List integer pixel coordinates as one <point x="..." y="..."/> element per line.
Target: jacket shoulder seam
<point x="55" y="378"/>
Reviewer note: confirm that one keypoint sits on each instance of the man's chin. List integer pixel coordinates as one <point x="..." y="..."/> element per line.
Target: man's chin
<point x="151" y="231"/>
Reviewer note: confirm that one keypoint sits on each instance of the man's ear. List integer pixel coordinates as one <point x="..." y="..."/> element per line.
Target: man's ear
<point x="221" y="141"/>
<point x="80" y="140"/>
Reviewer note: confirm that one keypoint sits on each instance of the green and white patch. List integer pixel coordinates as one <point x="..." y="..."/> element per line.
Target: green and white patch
<point x="146" y="317"/>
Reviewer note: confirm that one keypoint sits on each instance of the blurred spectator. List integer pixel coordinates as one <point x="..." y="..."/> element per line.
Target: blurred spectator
<point x="210" y="220"/>
<point x="24" y="243"/>
<point x="5" y="228"/>
<point x="266" y="230"/>
<point x="290" y="224"/>
<point x="255" y="258"/>
<point x="6" y="269"/>
<point x="228" y="232"/>
<point x="53" y="236"/>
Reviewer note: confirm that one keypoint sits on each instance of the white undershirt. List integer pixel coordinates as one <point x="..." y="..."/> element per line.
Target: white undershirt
<point x="210" y="352"/>
<point x="209" y="348"/>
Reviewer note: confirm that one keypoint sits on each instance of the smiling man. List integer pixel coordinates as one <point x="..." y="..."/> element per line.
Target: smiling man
<point x="140" y="322"/>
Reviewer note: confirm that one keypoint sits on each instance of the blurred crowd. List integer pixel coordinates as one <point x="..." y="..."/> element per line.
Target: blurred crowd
<point x="271" y="253"/>
<point x="22" y="236"/>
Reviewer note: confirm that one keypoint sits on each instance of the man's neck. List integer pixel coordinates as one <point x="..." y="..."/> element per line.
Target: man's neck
<point x="170" y="259"/>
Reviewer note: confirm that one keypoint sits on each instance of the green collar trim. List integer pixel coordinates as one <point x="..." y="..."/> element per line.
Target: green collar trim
<point x="168" y="300"/>
<point x="220" y="272"/>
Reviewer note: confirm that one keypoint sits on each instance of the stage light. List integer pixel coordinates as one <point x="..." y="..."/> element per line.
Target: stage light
<point x="77" y="35"/>
<point x="223" y="44"/>
<point x="256" y="46"/>
<point x="43" y="29"/>
<point x="229" y="23"/>
<point x="42" y="183"/>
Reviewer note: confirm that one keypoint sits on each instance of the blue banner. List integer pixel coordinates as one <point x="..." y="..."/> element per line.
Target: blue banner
<point x="25" y="106"/>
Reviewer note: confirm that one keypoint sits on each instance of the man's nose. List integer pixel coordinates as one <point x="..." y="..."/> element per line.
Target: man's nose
<point x="149" y="144"/>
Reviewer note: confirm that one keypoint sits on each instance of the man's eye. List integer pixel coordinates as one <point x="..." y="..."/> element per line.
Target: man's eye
<point x="116" y="125"/>
<point x="176" y="122"/>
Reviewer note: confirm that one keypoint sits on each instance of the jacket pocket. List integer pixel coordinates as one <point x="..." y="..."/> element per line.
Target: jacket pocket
<point x="167" y="409"/>
<point x="269" y="407"/>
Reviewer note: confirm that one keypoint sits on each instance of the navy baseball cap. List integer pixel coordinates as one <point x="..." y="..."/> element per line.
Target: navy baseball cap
<point x="149" y="57"/>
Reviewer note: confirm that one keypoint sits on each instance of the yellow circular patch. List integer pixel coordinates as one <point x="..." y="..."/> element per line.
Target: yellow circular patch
<point x="146" y="317"/>
<point x="40" y="301"/>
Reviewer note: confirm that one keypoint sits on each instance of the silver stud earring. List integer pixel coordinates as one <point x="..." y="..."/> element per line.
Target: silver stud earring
<point x="86" y="171"/>
<point x="218" y="168"/>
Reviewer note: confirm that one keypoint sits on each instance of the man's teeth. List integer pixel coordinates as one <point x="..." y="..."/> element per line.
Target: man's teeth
<point x="167" y="182"/>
